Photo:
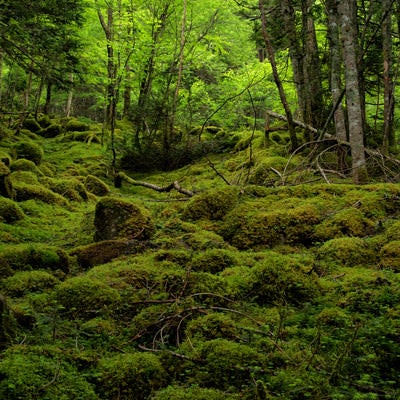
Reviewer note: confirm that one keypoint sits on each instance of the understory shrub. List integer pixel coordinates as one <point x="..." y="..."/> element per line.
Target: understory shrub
<point x="130" y="376"/>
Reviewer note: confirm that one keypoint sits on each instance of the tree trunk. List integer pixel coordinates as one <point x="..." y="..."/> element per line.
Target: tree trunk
<point x="353" y="97"/>
<point x="278" y="82"/>
<point x="68" y="107"/>
<point x="388" y="111"/>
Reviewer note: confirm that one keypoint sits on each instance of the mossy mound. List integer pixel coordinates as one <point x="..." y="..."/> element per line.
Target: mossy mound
<point x="73" y="125"/>
<point x="294" y="226"/>
<point x="10" y="211"/>
<point x="130" y="376"/>
<point x="25" y="257"/>
<point x="347" y="222"/>
<point x="193" y="393"/>
<point x="29" y="150"/>
<point x="22" y="164"/>
<point x="95" y="185"/>
<point x="213" y="260"/>
<point x="72" y="189"/>
<point x="50" y="131"/>
<point x="117" y="219"/>
<point x="213" y="204"/>
<point x="390" y="256"/>
<point x="31" y="125"/>
<point x="347" y="251"/>
<point x="23" y="282"/>
<point x="86" y="137"/>
<point x="6" y="189"/>
<point x="26" y="191"/>
<point x="84" y="297"/>
<point x="263" y="173"/>
<point x="105" y="251"/>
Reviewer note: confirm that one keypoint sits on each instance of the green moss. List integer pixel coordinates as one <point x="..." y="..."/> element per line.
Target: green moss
<point x="116" y="218"/>
<point x="4" y="170"/>
<point x="347" y="222"/>
<point x="51" y="131"/>
<point x="74" y="125"/>
<point x="31" y="124"/>
<point x="72" y="189"/>
<point x="34" y="256"/>
<point x="263" y="174"/>
<point x="213" y="204"/>
<point x="25" y="191"/>
<point x="23" y="282"/>
<point x="347" y="251"/>
<point x="84" y="297"/>
<point x="23" y="164"/>
<point x="192" y="393"/>
<point x="10" y="211"/>
<point x="213" y="260"/>
<point x="96" y="186"/>
<point x="23" y="176"/>
<point x="130" y="376"/>
<point x="390" y="255"/>
<point x="29" y="150"/>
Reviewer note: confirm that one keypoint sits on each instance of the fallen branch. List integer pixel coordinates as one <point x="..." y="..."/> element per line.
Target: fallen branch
<point x="174" y="185"/>
<point x="295" y="121"/>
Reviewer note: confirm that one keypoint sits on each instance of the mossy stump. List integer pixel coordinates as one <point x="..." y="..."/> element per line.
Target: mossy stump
<point x="118" y="219"/>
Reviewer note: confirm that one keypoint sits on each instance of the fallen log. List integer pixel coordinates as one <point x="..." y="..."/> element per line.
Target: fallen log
<point x="295" y="121"/>
<point x="174" y="185"/>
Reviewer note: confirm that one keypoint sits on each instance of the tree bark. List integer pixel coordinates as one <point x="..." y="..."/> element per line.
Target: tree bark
<point x="278" y="82"/>
<point x="353" y="97"/>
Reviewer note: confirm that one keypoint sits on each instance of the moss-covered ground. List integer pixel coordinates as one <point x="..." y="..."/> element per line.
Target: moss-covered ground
<point x="265" y="289"/>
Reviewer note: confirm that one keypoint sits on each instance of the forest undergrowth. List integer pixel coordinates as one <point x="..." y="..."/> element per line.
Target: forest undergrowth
<point x="268" y="277"/>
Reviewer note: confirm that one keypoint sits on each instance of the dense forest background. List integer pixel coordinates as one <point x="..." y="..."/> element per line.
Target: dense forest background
<point x="199" y="200"/>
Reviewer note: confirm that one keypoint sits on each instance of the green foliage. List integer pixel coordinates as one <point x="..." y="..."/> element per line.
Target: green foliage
<point x="23" y="282"/>
<point x="95" y="185"/>
<point x="132" y="376"/>
<point x="213" y="204"/>
<point x="10" y="211"/>
<point x="41" y="373"/>
<point x="30" y="150"/>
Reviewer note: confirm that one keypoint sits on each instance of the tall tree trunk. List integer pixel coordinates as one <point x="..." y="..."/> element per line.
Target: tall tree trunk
<point x="278" y="82"/>
<point x="336" y="68"/>
<point x="47" y="103"/>
<point x="127" y="93"/>
<point x="388" y="111"/>
<point x="311" y="65"/>
<point x="353" y="96"/>
<point x="68" y="107"/>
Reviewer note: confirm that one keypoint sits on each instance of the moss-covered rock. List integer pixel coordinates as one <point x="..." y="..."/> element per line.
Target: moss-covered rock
<point x="31" y="125"/>
<point x="105" y="251"/>
<point x="130" y="376"/>
<point x="22" y="164"/>
<point x="213" y="260"/>
<point x="390" y="255"/>
<point x="10" y="211"/>
<point x="193" y="393"/>
<point x="213" y="204"/>
<point x="34" y="256"/>
<point x="347" y="251"/>
<point x="73" y="125"/>
<point x="117" y="219"/>
<point x="50" y="131"/>
<point x="26" y="191"/>
<point x="23" y="282"/>
<point x="7" y="324"/>
<point x="6" y="188"/>
<point x="29" y="150"/>
<point x="72" y="189"/>
<point x="95" y="185"/>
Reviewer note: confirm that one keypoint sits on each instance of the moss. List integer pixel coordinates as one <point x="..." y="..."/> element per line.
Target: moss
<point x="29" y="150"/>
<point x="84" y="297"/>
<point x="35" y="256"/>
<point x="130" y="376"/>
<point x="96" y="186"/>
<point x="51" y="131"/>
<point x="179" y="257"/>
<point x="25" y="191"/>
<point x="24" y="282"/>
<point x="334" y="318"/>
<point x="347" y="222"/>
<point x="213" y="204"/>
<point x="23" y="176"/>
<point x="192" y="393"/>
<point x="31" y="124"/>
<point x="347" y="251"/>
<point x="263" y="174"/>
<point x="74" y="125"/>
<point x="390" y="255"/>
<point x="203" y="240"/>
<point x="44" y="120"/>
<point x="5" y="158"/>
<point x="4" y="170"/>
<point x="245" y="229"/>
<point x="72" y="189"/>
<point x="213" y="260"/>
<point x="6" y="188"/>
<point x="105" y="251"/>
<point x="115" y="218"/>
<point x="23" y="164"/>
<point x="10" y="211"/>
